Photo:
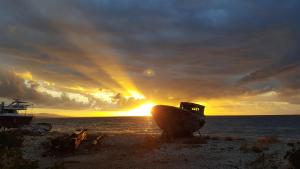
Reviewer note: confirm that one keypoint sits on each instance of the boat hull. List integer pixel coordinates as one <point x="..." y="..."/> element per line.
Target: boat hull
<point x="14" y="121"/>
<point x="177" y="122"/>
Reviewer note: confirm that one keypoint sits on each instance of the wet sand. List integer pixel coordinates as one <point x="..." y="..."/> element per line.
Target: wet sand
<point x="148" y="151"/>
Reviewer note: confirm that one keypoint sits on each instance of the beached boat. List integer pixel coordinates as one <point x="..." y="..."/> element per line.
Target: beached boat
<point x="179" y="121"/>
<point x="10" y="116"/>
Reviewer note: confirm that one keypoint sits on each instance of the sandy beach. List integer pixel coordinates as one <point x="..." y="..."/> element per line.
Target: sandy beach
<point x="149" y="151"/>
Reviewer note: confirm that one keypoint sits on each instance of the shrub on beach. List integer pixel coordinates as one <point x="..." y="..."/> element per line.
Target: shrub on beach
<point x="10" y="153"/>
<point x="11" y="139"/>
<point x="12" y="159"/>
<point x="293" y="156"/>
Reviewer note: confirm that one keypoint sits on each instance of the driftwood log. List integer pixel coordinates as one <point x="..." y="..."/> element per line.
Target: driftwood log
<point x="79" y="141"/>
<point x="66" y="144"/>
<point x="78" y="137"/>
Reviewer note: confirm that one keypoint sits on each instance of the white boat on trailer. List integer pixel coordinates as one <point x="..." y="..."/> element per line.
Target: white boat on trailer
<point x="10" y="116"/>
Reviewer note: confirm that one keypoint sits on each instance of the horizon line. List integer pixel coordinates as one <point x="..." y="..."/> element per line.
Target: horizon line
<point x="248" y="115"/>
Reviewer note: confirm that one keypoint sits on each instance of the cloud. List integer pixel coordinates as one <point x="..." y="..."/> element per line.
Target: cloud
<point x="197" y="49"/>
<point x="268" y="73"/>
<point x="14" y="87"/>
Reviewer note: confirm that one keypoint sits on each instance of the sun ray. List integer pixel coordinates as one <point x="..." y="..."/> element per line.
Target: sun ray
<point x="142" y="110"/>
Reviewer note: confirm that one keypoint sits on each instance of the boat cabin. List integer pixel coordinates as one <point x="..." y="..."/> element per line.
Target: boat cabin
<point x="13" y="107"/>
<point x="197" y="108"/>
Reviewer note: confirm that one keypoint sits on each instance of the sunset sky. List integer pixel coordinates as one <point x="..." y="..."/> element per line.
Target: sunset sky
<point x="120" y="57"/>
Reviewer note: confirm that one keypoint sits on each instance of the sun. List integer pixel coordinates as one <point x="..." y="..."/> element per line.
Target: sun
<point x="142" y="110"/>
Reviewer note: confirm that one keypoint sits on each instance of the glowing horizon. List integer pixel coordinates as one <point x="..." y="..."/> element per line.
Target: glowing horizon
<point x="225" y="106"/>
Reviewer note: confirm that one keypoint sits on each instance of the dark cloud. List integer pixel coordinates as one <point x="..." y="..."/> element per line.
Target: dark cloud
<point x="13" y="87"/>
<point x="207" y="49"/>
<point x="270" y="72"/>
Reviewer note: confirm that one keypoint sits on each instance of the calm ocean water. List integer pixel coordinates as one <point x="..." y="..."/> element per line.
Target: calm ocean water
<point x="241" y="126"/>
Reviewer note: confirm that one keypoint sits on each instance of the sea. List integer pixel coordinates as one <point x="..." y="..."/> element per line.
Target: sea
<point x="284" y="127"/>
